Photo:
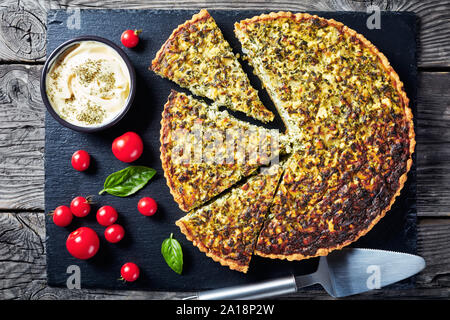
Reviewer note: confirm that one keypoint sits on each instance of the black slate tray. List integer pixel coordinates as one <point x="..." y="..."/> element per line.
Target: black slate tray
<point x="144" y="235"/>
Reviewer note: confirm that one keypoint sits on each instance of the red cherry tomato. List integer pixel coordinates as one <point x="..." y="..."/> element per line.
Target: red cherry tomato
<point x="81" y="160"/>
<point x="80" y="207"/>
<point x="147" y="206"/>
<point x="130" y="38"/>
<point x="128" y="147"/>
<point x="62" y="216"/>
<point x="106" y="216"/>
<point x="129" y="272"/>
<point x="83" y="243"/>
<point x="114" y="233"/>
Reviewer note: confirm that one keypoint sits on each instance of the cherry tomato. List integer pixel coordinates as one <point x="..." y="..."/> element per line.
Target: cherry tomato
<point x="62" y="216"/>
<point x="106" y="216"/>
<point x="114" y="233"/>
<point x="83" y="243"/>
<point x="147" y="206"/>
<point x="130" y="38"/>
<point x="129" y="272"/>
<point x="128" y="147"/>
<point x="80" y="207"/>
<point x="81" y="160"/>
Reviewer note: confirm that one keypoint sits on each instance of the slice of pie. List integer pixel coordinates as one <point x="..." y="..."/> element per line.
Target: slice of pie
<point x="227" y="228"/>
<point x="348" y="114"/>
<point x="205" y="151"/>
<point x="197" y="57"/>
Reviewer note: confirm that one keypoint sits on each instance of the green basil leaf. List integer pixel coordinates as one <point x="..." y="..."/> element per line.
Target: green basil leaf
<point x="172" y="253"/>
<point x="127" y="181"/>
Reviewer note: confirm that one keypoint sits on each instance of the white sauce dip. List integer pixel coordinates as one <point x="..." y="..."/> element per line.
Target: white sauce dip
<point x="89" y="84"/>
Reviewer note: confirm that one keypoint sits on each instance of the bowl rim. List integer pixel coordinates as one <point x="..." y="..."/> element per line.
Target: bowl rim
<point x="60" y="50"/>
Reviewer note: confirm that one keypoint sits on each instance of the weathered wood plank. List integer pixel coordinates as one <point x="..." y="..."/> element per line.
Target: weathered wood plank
<point x="433" y="144"/>
<point x="23" y="30"/>
<point x="434" y="37"/>
<point x="433" y="240"/>
<point x="23" y="265"/>
<point x="22" y="141"/>
<point x="21" y="138"/>
<point x="434" y="108"/>
<point x="22" y="22"/>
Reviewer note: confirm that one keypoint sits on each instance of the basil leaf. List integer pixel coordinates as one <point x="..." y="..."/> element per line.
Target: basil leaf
<point x="172" y="253"/>
<point x="127" y="181"/>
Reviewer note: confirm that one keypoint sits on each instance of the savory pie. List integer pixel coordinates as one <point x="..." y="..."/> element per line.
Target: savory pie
<point x="345" y="104"/>
<point x="205" y="151"/>
<point x="227" y="228"/>
<point x="197" y="57"/>
<point x="350" y="128"/>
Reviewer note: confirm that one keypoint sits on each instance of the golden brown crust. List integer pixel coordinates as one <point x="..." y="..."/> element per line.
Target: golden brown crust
<point x="202" y="15"/>
<point x="224" y="262"/>
<point x="186" y="67"/>
<point x="164" y="154"/>
<point x="384" y="61"/>
<point x="227" y="228"/>
<point x="398" y="85"/>
<point x="408" y="118"/>
<point x="196" y="181"/>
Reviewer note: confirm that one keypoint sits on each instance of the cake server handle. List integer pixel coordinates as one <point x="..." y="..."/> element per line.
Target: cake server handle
<point x="259" y="290"/>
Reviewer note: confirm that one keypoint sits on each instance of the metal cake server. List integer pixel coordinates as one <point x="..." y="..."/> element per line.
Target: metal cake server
<point x="342" y="273"/>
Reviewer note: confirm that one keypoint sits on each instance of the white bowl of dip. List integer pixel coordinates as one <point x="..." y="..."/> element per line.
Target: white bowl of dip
<point x="88" y="84"/>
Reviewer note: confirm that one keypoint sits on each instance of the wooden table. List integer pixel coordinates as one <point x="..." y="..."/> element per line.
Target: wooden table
<point x="22" y="227"/>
